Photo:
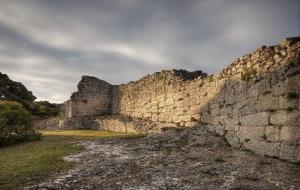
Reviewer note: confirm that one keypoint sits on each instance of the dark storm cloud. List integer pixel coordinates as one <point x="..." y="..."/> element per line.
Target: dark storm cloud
<point x="48" y="45"/>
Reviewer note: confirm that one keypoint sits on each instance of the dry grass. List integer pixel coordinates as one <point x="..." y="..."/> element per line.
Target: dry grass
<point x="31" y="162"/>
<point x="85" y="133"/>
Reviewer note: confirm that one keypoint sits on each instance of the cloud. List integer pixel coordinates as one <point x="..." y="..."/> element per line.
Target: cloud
<point x="48" y="45"/>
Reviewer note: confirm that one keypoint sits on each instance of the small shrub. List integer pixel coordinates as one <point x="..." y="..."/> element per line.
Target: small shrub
<point x="15" y="124"/>
<point x="248" y="74"/>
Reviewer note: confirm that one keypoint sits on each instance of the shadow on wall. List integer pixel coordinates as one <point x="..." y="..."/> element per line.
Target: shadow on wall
<point x="260" y="113"/>
<point x="254" y="102"/>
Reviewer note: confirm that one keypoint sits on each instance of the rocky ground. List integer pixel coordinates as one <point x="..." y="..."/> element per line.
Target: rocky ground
<point x="176" y="159"/>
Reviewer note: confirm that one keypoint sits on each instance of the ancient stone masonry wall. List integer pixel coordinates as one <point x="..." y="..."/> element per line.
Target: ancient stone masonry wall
<point x="92" y="98"/>
<point x="254" y="102"/>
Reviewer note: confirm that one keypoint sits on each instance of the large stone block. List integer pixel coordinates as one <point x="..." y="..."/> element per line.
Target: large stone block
<point x="285" y="117"/>
<point x="231" y="120"/>
<point x="196" y="117"/>
<point x="267" y="102"/>
<point x="285" y="103"/>
<point x="154" y="117"/>
<point x="187" y="118"/>
<point x="259" y="88"/>
<point x="233" y="139"/>
<point x="290" y="133"/>
<point x="263" y="147"/>
<point x="235" y="128"/>
<point x="257" y="119"/>
<point x="190" y="124"/>
<point x="272" y="133"/>
<point x="220" y="129"/>
<point x="177" y="119"/>
<point x="250" y="133"/>
<point x="290" y="152"/>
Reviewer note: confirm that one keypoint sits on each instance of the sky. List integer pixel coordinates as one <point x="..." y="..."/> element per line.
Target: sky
<point x="49" y="44"/>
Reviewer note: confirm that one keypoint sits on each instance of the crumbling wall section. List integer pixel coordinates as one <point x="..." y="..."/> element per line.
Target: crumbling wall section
<point x="92" y="98"/>
<point x="254" y="102"/>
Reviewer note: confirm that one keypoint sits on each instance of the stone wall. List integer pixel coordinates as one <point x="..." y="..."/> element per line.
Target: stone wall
<point x="254" y="102"/>
<point x="92" y="98"/>
<point x="127" y="124"/>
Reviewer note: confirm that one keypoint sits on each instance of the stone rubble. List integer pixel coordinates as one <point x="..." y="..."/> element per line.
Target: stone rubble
<point x="190" y="158"/>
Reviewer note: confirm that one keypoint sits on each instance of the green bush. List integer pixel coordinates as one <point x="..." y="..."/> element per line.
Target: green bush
<point x="15" y="124"/>
<point x="44" y="109"/>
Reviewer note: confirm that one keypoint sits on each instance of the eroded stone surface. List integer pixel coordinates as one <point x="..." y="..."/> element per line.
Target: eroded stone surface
<point x="177" y="159"/>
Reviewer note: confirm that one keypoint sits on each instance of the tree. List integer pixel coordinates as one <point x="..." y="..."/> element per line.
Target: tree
<point x="15" y="124"/>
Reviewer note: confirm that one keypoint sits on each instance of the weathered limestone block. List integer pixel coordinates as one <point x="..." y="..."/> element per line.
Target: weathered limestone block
<point x="196" y="117"/>
<point x="233" y="139"/>
<point x="260" y="88"/>
<point x="154" y="117"/>
<point x="290" y="151"/>
<point x="220" y="129"/>
<point x="214" y="107"/>
<point x="290" y="85"/>
<point x="267" y="102"/>
<point x="187" y="118"/>
<point x="190" y="124"/>
<point x="147" y="115"/>
<point x="230" y="98"/>
<point x="193" y="110"/>
<point x="229" y="127"/>
<point x="169" y="118"/>
<point x="234" y="120"/>
<point x="285" y="103"/>
<point x="290" y="133"/>
<point x="206" y="118"/>
<point x="218" y="120"/>
<point x="250" y="133"/>
<point x="277" y="58"/>
<point x="177" y="119"/>
<point x="285" y="117"/>
<point x="263" y="147"/>
<point x="246" y="106"/>
<point x="258" y="119"/>
<point x="272" y="133"/>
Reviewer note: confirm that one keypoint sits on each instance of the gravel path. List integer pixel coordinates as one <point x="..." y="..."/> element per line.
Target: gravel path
<point x="177" y="159"/>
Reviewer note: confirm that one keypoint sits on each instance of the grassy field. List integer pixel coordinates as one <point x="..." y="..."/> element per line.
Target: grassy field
<point x="32" y="162"/>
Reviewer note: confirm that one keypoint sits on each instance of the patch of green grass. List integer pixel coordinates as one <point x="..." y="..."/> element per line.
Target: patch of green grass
<point x="90" y="134"/>
<point x="31" y="162"/>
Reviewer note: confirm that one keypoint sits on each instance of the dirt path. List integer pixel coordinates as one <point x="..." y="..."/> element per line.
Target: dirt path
<point x="187" y="159"/>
